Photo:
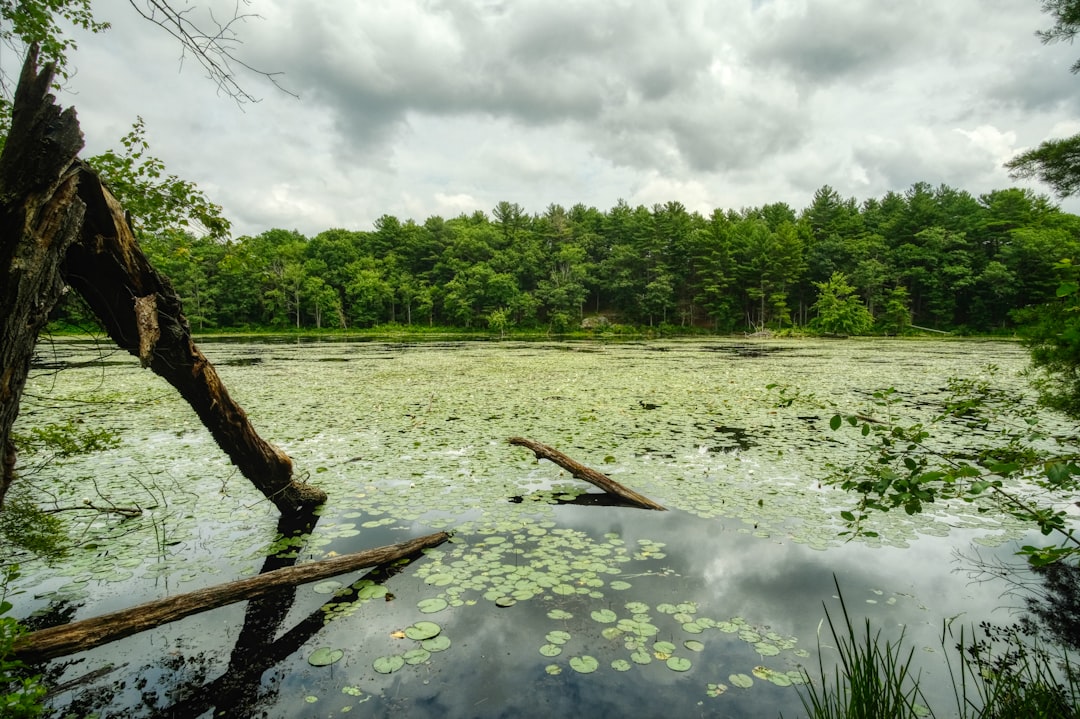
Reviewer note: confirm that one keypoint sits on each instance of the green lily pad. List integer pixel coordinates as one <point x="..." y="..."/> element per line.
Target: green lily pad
<point x="766" y="649"/>
<point x="559" y="614"/>
<point x="666" y="648"/>
<point x="557" y="637"/>
<point x="641" y="657"/>
<point x="423" y="630"/>
<point x="611" y="633"/>
<point x="584" y="664"/>
<point x="436" y="644"/>
<point x="416" y="656"/>
<point x="715" y="690"/>
<point x="618" y="585"/>
<point x="678" y="664"/>
<point x="694" y="645"/>
<point x="432" y="605"/>
<point x="741" y="680"/>
<point x="328" y="587"/>
<point x="325" y="656"/>
<point x="604" y="616"/>
<point x="389" y="665"/>
<point x="553" y="669"/>
<point x="505" y="602"/>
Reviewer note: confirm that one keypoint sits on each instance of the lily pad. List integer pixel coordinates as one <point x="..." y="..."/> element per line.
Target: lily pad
<point x="741" y="680"/>
<point x="553" y="669"/>
<point x="621" y="665"/>
<point x="584" y="664"/>
<point x="559" y="614"/>
<point x="432" y="605"/>
<point x="550" y="650"/>
<point x="423" y="630"/>
<point x="678" y="664"/>
<point x="328" y="587"/>
<point x="694" y="645"/>
<point x="389" y="665"/>
<point x="325" y="656"/>
<point x="619" y="585"/>
<point x="436" y="644"/>
<point x="416" y="656"/>
<point x="604" y="616"/>
<point x="558" y="637"/>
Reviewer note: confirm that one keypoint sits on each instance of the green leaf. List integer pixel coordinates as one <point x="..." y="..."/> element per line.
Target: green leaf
<point x="835" y="422"/>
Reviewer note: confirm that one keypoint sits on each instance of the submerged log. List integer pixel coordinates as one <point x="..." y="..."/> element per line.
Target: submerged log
<point x="587" y="474"/>
<point x="89" y="633"/>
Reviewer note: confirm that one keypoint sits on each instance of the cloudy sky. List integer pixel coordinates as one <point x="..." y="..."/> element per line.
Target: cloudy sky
<point x="423" y="107"/>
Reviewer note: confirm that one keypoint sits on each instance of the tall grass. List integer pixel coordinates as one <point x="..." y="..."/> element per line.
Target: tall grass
<point x="1004" y="675"/>
<point x="872" y="681"/>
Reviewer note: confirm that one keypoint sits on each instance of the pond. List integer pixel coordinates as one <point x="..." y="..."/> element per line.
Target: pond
<point x="539" y="605"/>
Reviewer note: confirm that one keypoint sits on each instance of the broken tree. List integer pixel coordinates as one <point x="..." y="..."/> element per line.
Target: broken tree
<point x="60" y="226"/>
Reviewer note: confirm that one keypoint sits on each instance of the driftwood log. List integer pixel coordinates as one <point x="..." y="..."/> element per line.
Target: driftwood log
<point x="60" y="226"/>
<point x="89" y="633"/>
<point x="587" y="474"/>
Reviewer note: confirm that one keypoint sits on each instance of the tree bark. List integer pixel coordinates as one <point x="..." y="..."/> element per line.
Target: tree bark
<point x="142" y="313"/>
<point x="89" y="633"/>
<point x="40" y="217"/>
<point x="59" y="224"/>
<point x="542" y="451"/>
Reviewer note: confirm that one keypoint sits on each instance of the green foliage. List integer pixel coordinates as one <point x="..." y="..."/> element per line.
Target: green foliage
<point x="1013" y="460"/>
<point x="156" y="202"/>
<point x="932" y="257"/>
<point x="1054" y="340"/>
<point x="20" y="695"/>
<point x="1055" y="162"/>
<point x="839" y="310"/>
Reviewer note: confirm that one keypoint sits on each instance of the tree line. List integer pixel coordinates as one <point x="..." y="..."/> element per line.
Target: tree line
<point x="934" y="257"/>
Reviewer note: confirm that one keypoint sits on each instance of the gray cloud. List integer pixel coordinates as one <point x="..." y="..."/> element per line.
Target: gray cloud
<point x="419" y="107"/>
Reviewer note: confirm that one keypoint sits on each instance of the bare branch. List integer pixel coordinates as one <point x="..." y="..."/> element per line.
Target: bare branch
<point x="214" y="48"/>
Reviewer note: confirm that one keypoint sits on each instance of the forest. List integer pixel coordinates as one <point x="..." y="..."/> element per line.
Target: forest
<point x="938" y="258"/>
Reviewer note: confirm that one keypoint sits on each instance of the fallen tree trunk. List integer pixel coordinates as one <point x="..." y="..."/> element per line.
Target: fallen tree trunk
<point x="89" y="633"/>
<point x="598" y="479"/>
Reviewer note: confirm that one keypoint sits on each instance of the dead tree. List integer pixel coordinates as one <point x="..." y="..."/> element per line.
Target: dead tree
<point x="60" y="226"/>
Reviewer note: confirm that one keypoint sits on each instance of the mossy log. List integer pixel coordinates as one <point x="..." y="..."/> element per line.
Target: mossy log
<point x="587" y="474"/>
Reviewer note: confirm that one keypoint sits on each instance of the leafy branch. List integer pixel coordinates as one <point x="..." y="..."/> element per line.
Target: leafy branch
<point x="1015" y="459"/>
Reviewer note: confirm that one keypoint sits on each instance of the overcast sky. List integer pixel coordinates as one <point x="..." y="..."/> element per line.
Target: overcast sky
<point x="416" y="108"/>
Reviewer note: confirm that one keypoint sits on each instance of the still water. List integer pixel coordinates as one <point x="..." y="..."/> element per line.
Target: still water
<point x="540" y="605"/>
